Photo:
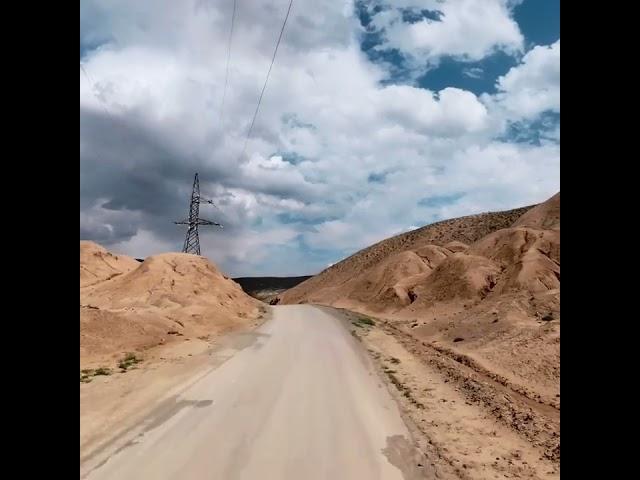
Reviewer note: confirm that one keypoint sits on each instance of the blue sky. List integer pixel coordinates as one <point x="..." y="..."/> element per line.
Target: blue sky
<point x="378" y="117"/>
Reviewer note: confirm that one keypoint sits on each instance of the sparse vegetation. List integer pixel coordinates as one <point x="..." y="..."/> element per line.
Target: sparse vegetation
<point x="129" y="360"/>
<point x="363" y="321"/>
<point x="87" y="374"/>
<point x="403" y="389"/>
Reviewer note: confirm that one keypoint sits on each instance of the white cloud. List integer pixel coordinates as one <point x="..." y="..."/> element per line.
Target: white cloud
<point x="276" y="176"/>
<point x="455" y="112"/>
<point x="162" y="77"/>
<point x="533" y="86"/>
<point x="143" y="244"/>
<point x="467" y="29"/>
<point x="245" y="254"/>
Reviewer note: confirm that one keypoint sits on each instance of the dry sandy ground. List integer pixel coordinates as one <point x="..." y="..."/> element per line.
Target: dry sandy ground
<point x="470" y="423"/>
<point x="110" y="405"/>
<point x="297" y="399"/>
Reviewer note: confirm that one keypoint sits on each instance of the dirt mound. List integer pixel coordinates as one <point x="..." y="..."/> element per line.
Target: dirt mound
<point x="459" y="276"/>
<point x="544" y="216"/>
<point x="530" y="258"/>
<point x="165" y="297"/>
<point x="432" y="255"/>
<point x="170" y="281"/>
<point x="98" y="265"/>
<point x="456" y="246"/>
<point x="379" y="289"/>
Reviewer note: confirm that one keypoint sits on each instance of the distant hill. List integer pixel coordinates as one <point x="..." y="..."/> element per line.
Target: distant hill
<point x="263" y="288"/>
<point x="350" y="282"/>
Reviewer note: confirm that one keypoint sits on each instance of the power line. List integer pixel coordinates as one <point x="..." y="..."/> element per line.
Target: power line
<point x="226" y="77"/>
<point x="266" y="80"/>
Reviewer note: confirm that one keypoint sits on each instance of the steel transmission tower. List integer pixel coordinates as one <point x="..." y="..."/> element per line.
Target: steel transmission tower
<point x="191" y="241"/>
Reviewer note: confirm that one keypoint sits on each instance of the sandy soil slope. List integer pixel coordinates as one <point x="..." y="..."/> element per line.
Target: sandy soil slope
<point x="168" y="298"/>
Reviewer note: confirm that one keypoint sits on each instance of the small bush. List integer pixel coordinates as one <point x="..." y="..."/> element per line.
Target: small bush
<point x="363" y="321"/>
<point x="129" y="360"/>
<point x="367" y="321"/>
<point x="87" y="374"/>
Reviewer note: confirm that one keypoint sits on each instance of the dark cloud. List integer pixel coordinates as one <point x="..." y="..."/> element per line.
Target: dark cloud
<point x="130" y="168"/>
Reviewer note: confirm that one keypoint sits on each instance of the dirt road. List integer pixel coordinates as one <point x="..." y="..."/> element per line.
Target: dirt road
<point x="302" y="401"/>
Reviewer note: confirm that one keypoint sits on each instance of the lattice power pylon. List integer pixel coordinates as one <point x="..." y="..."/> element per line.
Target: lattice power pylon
<point x="191" y="241"/>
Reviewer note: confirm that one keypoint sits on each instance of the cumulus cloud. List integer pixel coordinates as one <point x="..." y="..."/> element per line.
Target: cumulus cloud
<point x="452" y="112"/>
<point x="533" y="86"/>
<point x="337" y="159"/>
<point x="468" y="30"/>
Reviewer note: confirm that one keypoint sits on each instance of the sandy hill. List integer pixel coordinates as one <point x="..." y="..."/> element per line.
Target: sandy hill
<point x="97" y="264"/>
<point x="346" y="278"/>
<point x="487" y="286"/>
<point x="165" y="297"/>
<point x="544" y="216"/>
